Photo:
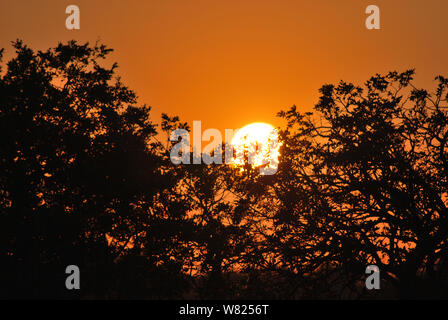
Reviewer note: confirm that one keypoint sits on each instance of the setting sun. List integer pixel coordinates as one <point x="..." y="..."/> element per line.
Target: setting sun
<point x="258" y="142"/>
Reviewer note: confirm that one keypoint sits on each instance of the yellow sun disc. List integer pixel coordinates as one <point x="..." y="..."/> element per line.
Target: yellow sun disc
<point x="256" y="143"/>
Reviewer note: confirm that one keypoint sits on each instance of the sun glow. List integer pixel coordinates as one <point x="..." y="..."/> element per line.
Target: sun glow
<point x="256" y="144"/>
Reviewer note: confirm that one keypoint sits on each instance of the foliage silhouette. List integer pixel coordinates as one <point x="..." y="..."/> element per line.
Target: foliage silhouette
<point x="367" y="184"/>
<point x="77" y="164"/>
<point x="85" y="180"/>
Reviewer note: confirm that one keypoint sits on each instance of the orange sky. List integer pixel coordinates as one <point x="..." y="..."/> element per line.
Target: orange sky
<point x="233" y="62"/>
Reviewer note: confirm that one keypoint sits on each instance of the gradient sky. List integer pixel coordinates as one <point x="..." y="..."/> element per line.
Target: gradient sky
<point x="233" y="62"/>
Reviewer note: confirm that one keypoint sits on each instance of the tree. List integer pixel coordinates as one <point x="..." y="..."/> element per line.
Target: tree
<point x="214" y="225"/>
<point x="365" y="182"/>
<point x="77" y="168"/>
<point x="84" y="180"/>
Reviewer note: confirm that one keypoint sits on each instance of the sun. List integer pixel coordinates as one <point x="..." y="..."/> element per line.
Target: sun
<point x="257" y="144"/>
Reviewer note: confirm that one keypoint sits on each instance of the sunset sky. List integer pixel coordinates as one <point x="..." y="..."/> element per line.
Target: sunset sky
<point x="230" y="63"/>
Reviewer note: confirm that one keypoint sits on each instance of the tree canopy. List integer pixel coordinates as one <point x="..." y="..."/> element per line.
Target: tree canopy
<point x="85" y="180"/>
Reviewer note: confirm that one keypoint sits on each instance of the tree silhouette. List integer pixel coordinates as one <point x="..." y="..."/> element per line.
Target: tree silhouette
<point x="76" y="166"/>
<point x="85" y="180"/>
<point x="366" y="183"/>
